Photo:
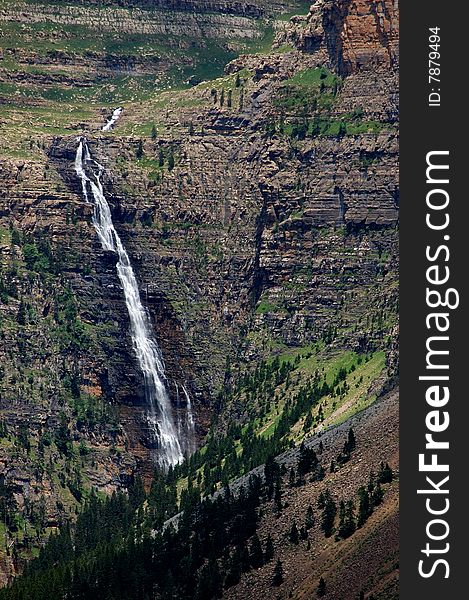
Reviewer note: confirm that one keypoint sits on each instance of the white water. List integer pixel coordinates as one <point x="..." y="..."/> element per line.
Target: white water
<point x="146" y="349"/>
<point x="186" y="428"/>
<point x="190" y="425"/>
<point x="113" y="120"/>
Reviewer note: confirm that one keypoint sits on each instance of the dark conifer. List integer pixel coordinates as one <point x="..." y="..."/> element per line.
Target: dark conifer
<point x="170" y="161"/>
<point x="269" y="549"/>
<point x="377" y="496"/>
<point x="136" y="493"/>
<point x="364" y="508"/>
<point x="256" y="554"/>
<point x="245" y="558"/>
<point x="278" y="495"/>
<point x="385" y="474"/>
<point x="277" y="579"/>
<point x="139" y="150"/>
<point x="234" y="571"/>
<point x="347" y="523"/>
<point x="293" y="535"/>
<point x="309" y="520"/>
<point x="308" y="460"/>
<point x="329" y="511"/>
<point x="321" y="587"/>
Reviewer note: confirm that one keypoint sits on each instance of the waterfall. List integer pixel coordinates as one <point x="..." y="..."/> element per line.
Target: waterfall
<point x="144" y="344"/>
<point x="190" y="424"/>
<point x="112" y="121"/>
<point x="186" y="427"/>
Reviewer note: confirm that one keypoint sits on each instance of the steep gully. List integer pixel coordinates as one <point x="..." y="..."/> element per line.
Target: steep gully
<point x="171" y="440"/>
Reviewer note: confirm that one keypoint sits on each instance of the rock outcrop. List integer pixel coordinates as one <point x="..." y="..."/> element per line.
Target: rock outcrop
<point x="357" y="34"/>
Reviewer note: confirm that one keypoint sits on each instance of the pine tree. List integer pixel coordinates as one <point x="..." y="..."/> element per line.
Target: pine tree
<point x="234" y="571"/>
<point x="293" y="536"/>
<point x="349" y="446"/>
<point x="385" y="474"/>
<point x="321" y="587"/>
<point x="316" y="127"/>
<point x="341" y="517"/>
<point x="364" y="508"/>
<point x="278" y="495"/>
<point x="154" y="132"/>
<point x="15" y="237"/>
<point x="347" y="523"/>
<point x="209" y="583"/>
<point x="329" y="512"/>
<point x="136" y="493"/>
<point x="320" y="473"/>
<point x="281" y="130"/>
<point x="377" y="496"/>
<point x="256" y="554"/>
<point x="170" y="161"/>
<point x="351" y="442"/>
<point x="161" y="158"/>
<point x="245" y="558"/>
<point x="278" y="573"/>
<point x="308" y="460"/>
<point x="238" y="80"/>
<point x="269" y="549"/>
<point x="139" y="150"/>
<point x="271" y="474"/>
<point x="308" y="422"/>
<point x="309" y="520"/>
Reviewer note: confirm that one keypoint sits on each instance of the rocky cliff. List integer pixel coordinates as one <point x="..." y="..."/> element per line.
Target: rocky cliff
<point x="259" y="210"/>
<point x="358" y="35"/>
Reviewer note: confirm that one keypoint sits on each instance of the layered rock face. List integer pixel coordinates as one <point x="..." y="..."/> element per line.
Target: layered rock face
<point x="357" y="34"/>
<point x="256" y="219"/>
<point x="253" y="8"/>
<point x="117" y="19"/>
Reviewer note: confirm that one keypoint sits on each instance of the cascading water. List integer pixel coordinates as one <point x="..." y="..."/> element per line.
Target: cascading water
<point x="146" y="349"/>
<point x="186" y="427"/>
<point x="190" y="424"/>
<point x="113" y="120"/>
